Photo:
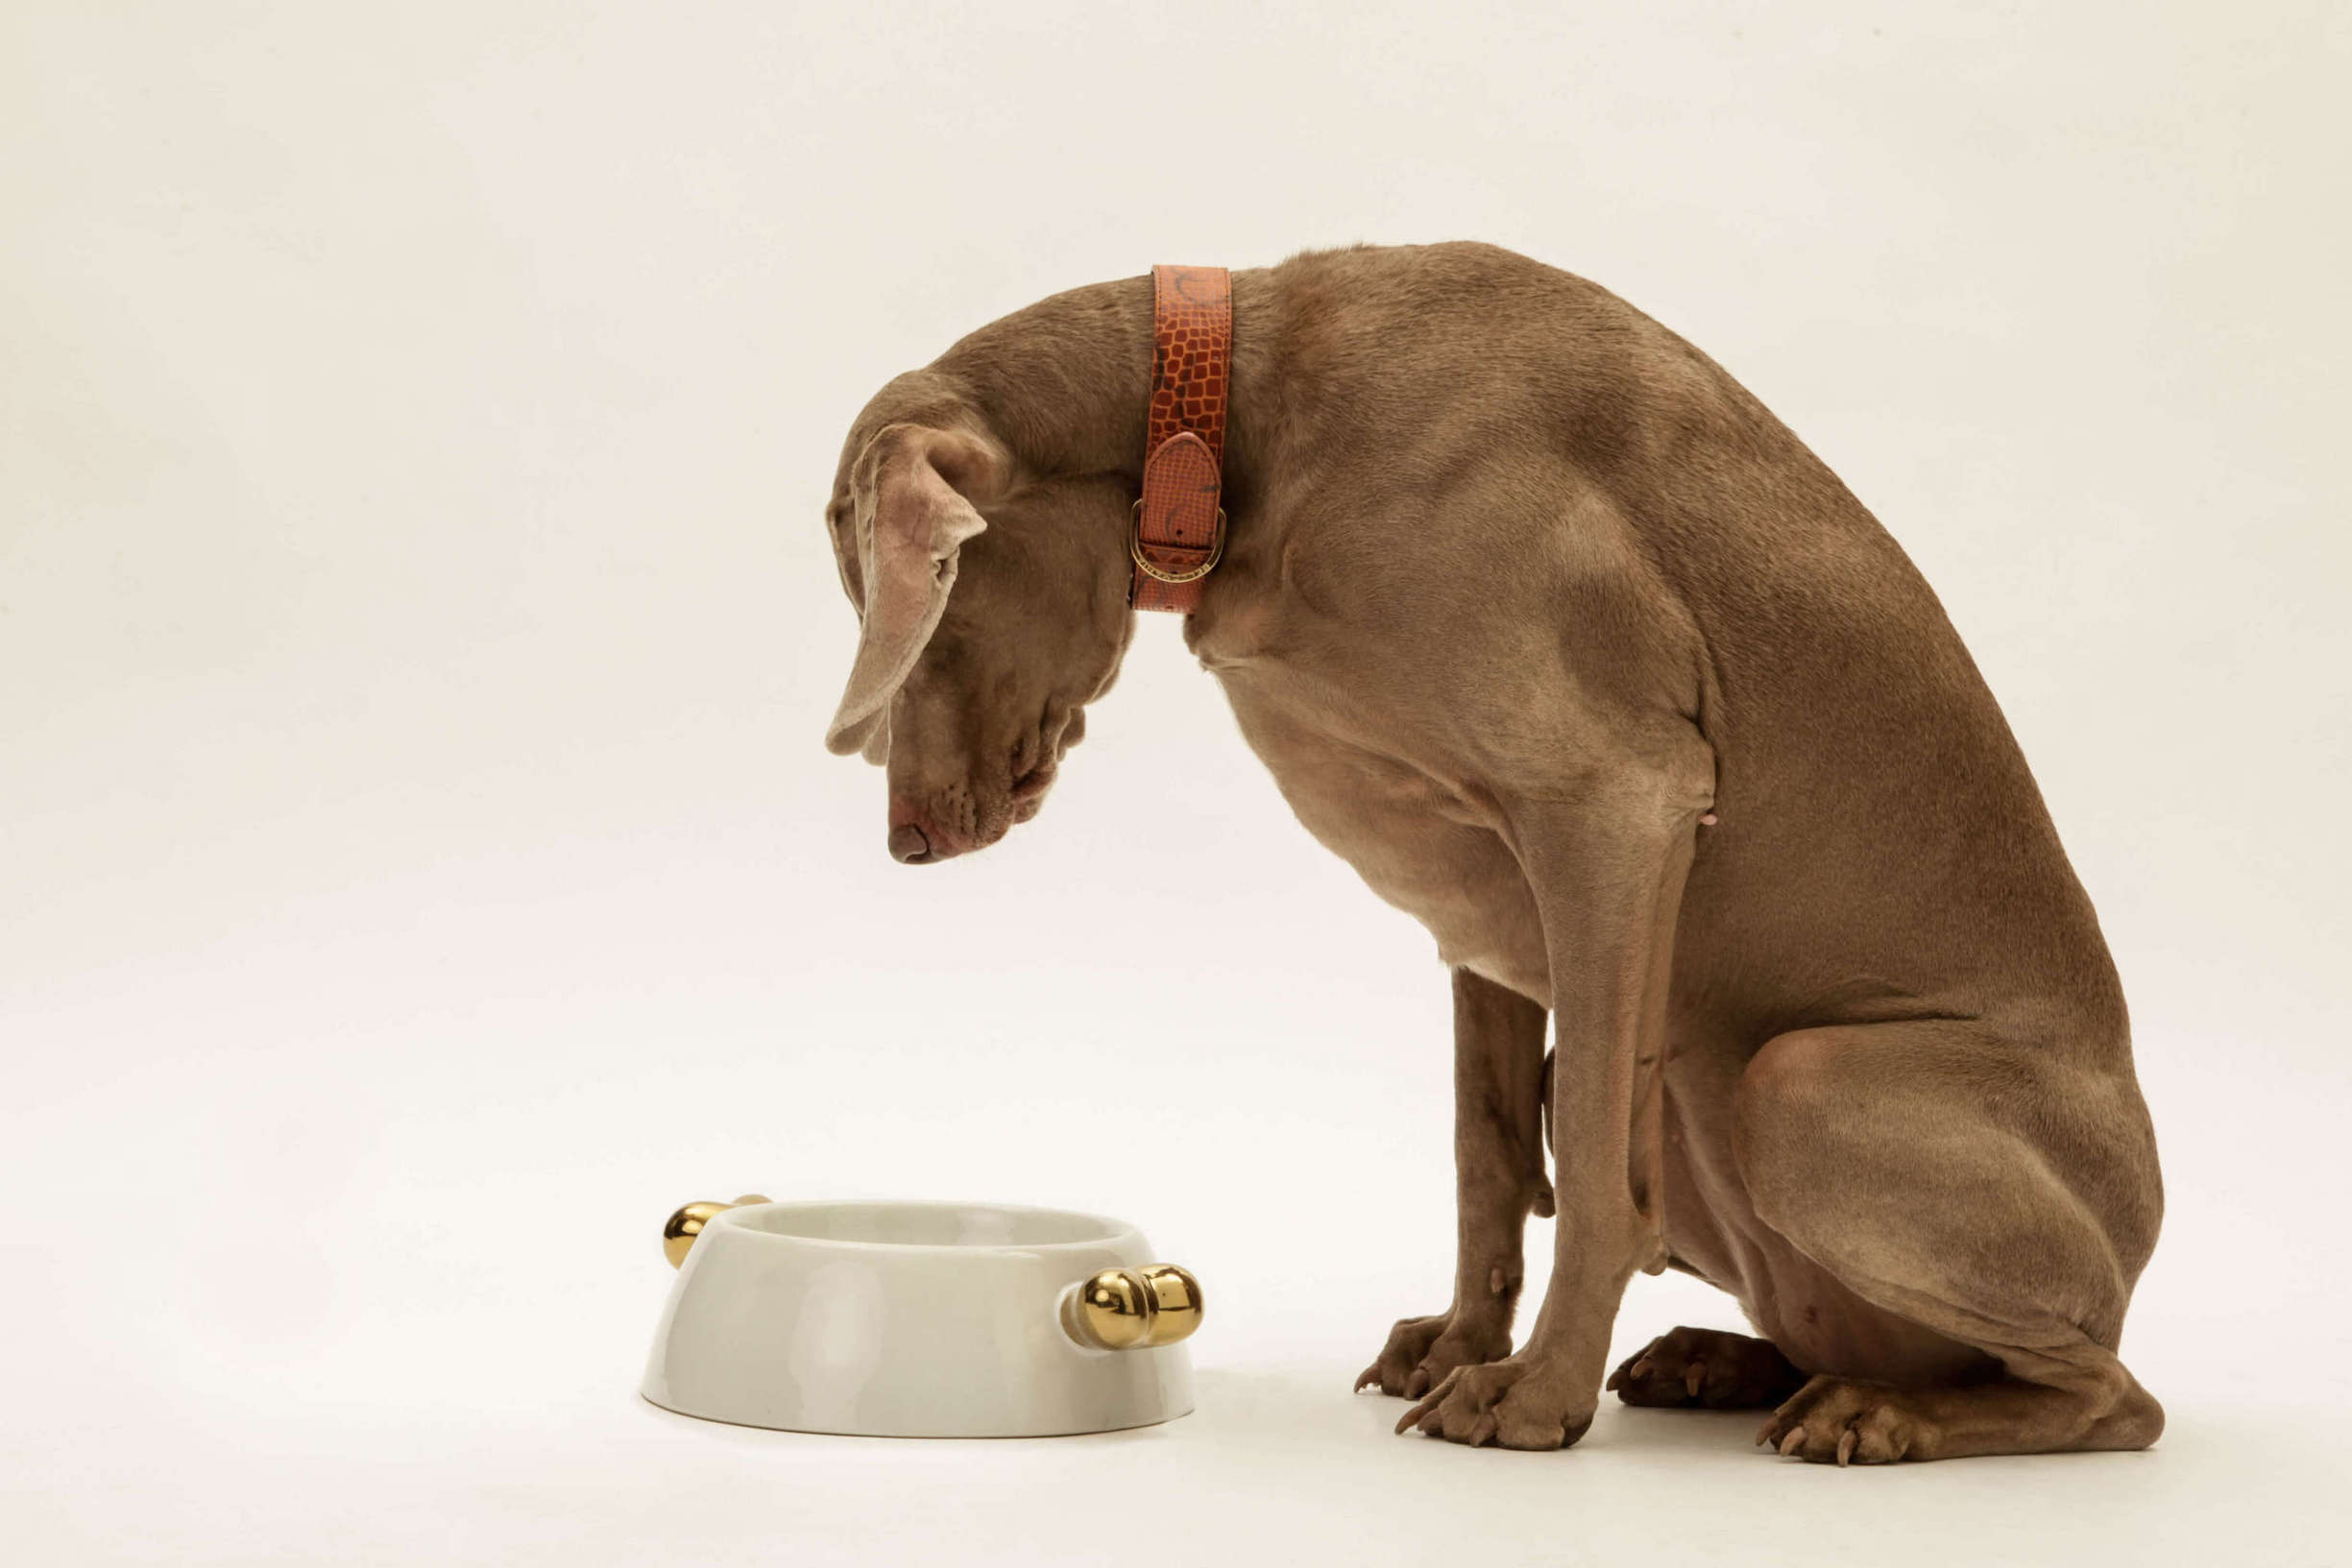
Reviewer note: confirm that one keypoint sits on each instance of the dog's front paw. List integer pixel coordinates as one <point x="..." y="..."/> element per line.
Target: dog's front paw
<point x="1517" y="1402"/>
<point x="1423" y="1352"/>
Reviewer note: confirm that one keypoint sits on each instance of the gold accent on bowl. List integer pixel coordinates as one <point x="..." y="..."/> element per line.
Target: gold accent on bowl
<point x="679" y="1230"/>
<point x="1134" y="1309"/>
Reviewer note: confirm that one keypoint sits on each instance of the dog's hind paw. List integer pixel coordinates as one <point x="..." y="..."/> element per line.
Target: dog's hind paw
<point x="1843" y="1421"/>
<point x="1705" y="1369"/>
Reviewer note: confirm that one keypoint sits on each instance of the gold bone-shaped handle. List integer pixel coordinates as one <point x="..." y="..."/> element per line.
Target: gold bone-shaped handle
<point x="679" y="1230"/>
<point x="1133" y="1309"/>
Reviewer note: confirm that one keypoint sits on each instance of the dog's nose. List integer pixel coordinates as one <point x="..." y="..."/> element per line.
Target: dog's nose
<point x="908" y="845"/>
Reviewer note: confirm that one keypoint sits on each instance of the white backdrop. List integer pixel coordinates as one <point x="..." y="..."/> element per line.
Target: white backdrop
<point x="422" y="869"/>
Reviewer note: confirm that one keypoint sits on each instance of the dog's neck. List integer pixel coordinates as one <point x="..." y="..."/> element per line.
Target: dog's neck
<point x="1067" y="385"/>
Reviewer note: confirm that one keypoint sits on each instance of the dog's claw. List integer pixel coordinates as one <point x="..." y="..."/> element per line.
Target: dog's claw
<point x="1692" y="1375"/>
<point x="1424" y="1416"/>
<point x="1484" y="1432"/>
<point x="1844" y="1449"/>
<point x="1789" y="1443"/>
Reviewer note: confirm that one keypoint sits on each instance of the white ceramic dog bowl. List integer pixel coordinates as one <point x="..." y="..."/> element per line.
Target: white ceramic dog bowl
<point x="921" y="1320"/>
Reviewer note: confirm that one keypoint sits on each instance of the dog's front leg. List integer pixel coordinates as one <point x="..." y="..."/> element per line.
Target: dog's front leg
<point x="1606" y="867"/>
<point x="1498" y="1179"/>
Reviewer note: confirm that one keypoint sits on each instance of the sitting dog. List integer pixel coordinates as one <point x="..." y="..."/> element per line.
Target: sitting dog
<point x="1577" y="654"/>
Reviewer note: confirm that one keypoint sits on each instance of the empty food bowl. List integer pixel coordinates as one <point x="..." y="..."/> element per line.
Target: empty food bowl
<point x="894" y="1320"/>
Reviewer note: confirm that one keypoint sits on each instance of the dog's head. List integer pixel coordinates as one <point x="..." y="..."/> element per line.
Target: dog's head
<point x="992" y="608"/>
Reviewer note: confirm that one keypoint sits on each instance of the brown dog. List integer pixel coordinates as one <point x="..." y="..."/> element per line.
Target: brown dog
<point x="1580" y="656"/>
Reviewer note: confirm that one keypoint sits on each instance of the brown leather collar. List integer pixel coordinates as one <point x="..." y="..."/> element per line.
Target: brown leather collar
<point x="1180" y="528"/>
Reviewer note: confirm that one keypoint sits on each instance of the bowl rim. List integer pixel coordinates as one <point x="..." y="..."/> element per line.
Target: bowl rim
<point x="1112" y="1230"/>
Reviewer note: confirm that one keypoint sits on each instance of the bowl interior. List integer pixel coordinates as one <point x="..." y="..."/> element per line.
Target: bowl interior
<point x="926" y="1224"/>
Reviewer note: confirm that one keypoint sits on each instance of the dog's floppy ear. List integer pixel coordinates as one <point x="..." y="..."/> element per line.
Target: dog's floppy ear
<point x="907" y="552"/>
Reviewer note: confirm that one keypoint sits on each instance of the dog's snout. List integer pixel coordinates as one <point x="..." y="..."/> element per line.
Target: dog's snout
<point x="908" y="846"/>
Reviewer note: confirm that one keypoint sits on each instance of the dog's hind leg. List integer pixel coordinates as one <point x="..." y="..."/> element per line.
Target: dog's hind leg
<point x="1999" y="1196"/>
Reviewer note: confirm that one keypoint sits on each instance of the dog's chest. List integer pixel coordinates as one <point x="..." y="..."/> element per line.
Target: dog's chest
<point x="1414" y="839"/>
